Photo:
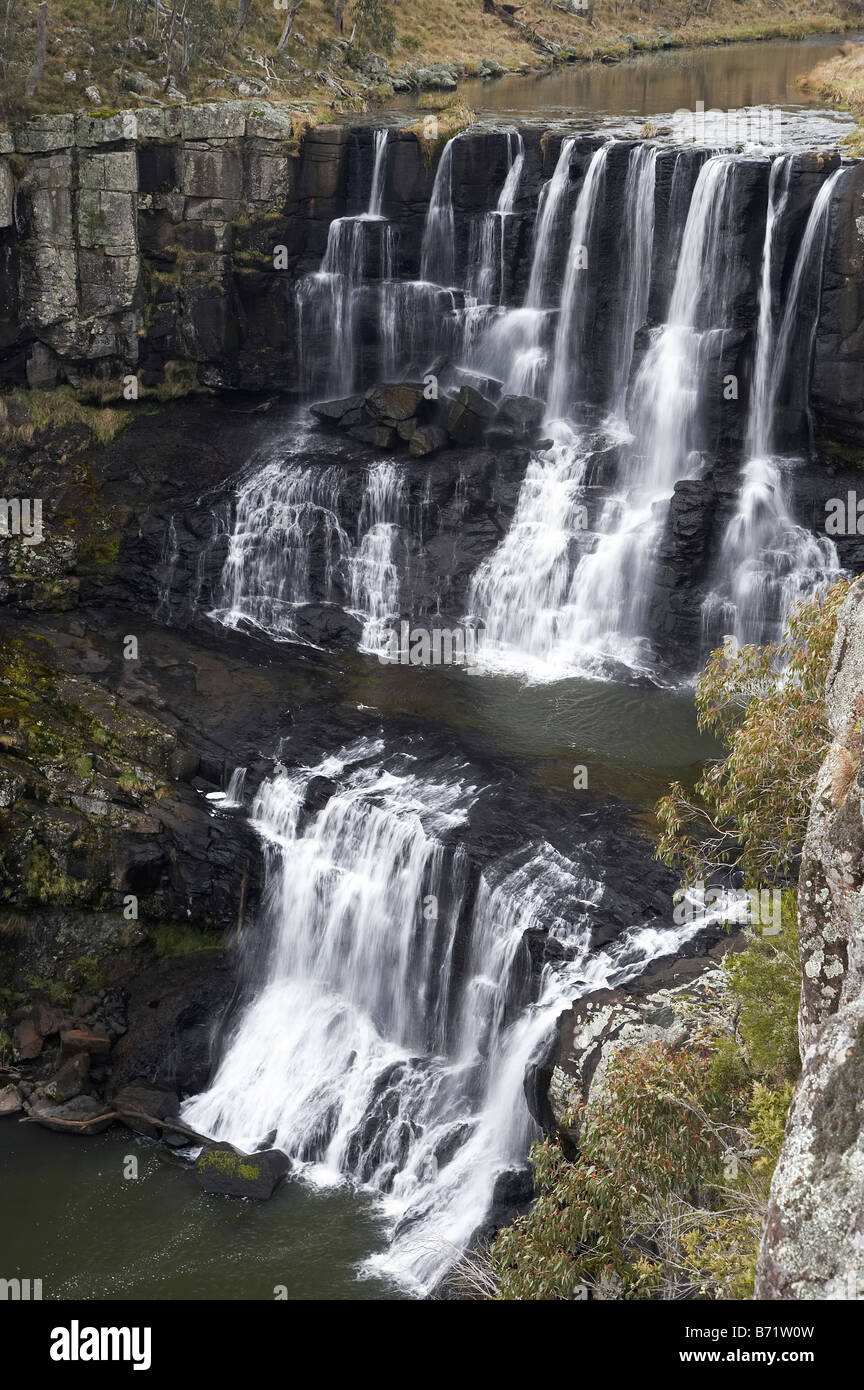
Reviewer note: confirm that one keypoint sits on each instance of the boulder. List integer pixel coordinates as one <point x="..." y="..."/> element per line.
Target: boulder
<point x="379" y="436"/>
<point x="427" y="439"/>
<point x="224" y="1172"/>
<point x="149" y="1099"/>
<point x="350" y="410"/>
<point x="90" y="1116"/>
<point x="93" y="1040"/>
<point x="397" y="401"/>
<point x="469" y="416"/>
<point x="522" y="413"/>
<point x="71" y="1078"/>
<point x="26" y="1041"/>
<point x="10" y="1100"/>
<point x="48" y="1019"/>
<point x="405" y="429"/>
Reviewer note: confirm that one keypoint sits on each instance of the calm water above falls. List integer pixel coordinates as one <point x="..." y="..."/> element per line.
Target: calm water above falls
<point x="621" y="96"/>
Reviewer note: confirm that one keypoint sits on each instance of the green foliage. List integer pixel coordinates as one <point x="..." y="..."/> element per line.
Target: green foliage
<point x="376" y="23"/>
<point x="765" y="985"/>
<point x="767" y="705"/>
<point x="645" y="1142"/>
<point x="667" y="1193"/>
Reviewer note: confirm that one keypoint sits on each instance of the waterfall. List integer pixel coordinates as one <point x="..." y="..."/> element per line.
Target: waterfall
<point x="548" y="212"/>
<point x="555" y="598"/>
<point x="288" y="547"/>
<point x="635" y="279"/>
<point x="373" y="568"/>
<point x="269" y="569"/>
<point x="327" y="301"/>
<point x="612" y="585"/>
<point x="760" y="422"/>
<point x="768" y="562"/>
<point x="488" y="280"/>
<point x="368" y="1051"/>
<point x="379" y="173"/>
<point x="437" y="254"/>
<point x="570" y="332"/>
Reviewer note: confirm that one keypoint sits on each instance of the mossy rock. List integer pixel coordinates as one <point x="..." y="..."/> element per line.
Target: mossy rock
<point x="224" y="1172"/>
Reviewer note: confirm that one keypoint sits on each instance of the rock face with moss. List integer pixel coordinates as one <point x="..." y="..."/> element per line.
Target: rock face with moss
<point x="813" y="1245"/>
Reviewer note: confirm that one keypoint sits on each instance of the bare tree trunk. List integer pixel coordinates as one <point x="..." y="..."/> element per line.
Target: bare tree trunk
<point x="186" y="30"/>
<point x="289" y="25"/>
<point x="10" y="10"/>
<point x="169" y="44"/>
<point x="244" y="8"/>
<point x="34" y="77"/>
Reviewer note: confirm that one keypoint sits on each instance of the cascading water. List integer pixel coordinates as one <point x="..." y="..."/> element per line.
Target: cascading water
<point x="489" y="279"/>
<point x="267" y="575"/>
<point x="368" y="1051"/>
<point x="374" y="568"/>
<point x="513" y="345"/>
<point x="288" y="548"/>
<point x="768" y="562"/>
<point x="437" y="255"/>
<point x="570" y="332"/>
<point x="327" y="301"/>
<point x="611" y="585"/>
<point x="635" y="280"/>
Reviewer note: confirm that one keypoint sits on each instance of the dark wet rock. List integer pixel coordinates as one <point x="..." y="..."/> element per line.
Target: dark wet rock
<point x="224" y="1172"/>
<point x="145" y="1098"/>
<point x="175" y="1010"/>
<point x="379" y="436"/>
<point x="524" y="414"/>
<point x="394" y="402"/>
<point x="70" y="1079"/>
<point x="88" y="1115"/>
<point x="469" y="416"/>
<point x="427" y="439"/>
<point x="48" y="1019"/>
<point x="94" y="1041"/>
<point x="351" y="410"/>
<point x="26" y="1041"/>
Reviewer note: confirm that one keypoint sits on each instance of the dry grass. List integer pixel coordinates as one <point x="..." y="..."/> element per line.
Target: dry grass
<point x="88" y="36"/>
<point x="59" y="409"/>
<point x="840" y="81"/>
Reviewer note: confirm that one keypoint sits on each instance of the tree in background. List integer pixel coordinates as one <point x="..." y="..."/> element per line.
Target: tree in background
<point x="375" y="24"/>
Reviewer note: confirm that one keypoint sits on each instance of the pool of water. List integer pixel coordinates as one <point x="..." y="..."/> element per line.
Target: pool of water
<point x="71" y="1219"/>
<point x="620" y="97"/>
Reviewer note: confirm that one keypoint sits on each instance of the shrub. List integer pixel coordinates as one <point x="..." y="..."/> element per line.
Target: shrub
<point x="767" y="705"/>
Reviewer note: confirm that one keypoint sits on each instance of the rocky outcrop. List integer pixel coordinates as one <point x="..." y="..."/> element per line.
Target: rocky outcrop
<point x="837" y="391"/>
<point x="669" y="1003"/>
<point x="169" y="241"/>
<point x="813" y="1246"/>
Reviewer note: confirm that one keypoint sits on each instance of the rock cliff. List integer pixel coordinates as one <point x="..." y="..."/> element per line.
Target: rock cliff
<point x="813" y="1246"/>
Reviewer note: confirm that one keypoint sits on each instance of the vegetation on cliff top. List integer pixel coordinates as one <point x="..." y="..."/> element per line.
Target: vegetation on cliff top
<point x="841" y="80"/>
<point x="341" y="53"/>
